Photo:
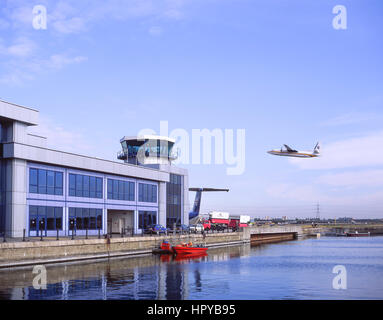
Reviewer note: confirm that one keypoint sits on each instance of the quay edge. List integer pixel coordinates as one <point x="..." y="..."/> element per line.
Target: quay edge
<point x="15" y="254"/>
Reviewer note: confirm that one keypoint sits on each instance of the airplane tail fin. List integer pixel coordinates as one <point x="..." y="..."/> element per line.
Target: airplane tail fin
<point x="317" y="148"/>
<point x="197" y="202"/>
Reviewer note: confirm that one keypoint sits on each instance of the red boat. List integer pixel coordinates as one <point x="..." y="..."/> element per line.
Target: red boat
<point x="165" y="248"/>
<point x="183" y="248"/>
<point x="190" y="257"/>
<point x="189" y="249"/>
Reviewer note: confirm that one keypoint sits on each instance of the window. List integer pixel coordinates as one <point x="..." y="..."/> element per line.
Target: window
<point x="58" y="183"/>
<point x="33" y="218"/>
<point x="92" y="219"/>
<point x="121" y="187"/>
<point x="50" y="218"/>
<point x="85" y="186"/>
<point x="92" y="182"/>
<point x="99" y="188"/>
<point x="33" y="180"/>
<point x="43" y="181"/>
<point x="85" y="218"/>
<point x="45" y="218"/>
<point x="50" y="182"/>
<point x="174" y="200"/>
<point x="131" y="190"/>
<point x="120" y="190"/>
<point x="146" y="218"/>
<point x="110" y="188"/>
<point x="140" y="192"/>
<point x="79" y="185"/>
<point x="115" y="189"/>
<point x="72" y="185"/>
<point x="154" y="193"/>
<point x="147" y="192"/>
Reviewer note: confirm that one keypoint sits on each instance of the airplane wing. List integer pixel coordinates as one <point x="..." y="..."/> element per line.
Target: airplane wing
<point x="289" y="149"/>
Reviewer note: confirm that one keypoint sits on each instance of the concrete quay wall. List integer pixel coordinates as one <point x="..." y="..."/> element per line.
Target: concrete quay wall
<point x="52" y="251"/>
<point x="14" y="254"/>
<point x="272" y="229"/>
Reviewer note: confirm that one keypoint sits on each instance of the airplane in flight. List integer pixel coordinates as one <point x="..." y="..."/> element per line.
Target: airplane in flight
<point x="288" y="152"/>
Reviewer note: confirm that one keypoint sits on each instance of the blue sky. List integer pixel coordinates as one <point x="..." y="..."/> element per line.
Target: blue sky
<point x="277" y="69"/>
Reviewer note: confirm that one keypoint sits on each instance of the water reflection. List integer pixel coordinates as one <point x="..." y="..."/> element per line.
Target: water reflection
<point x="286" y="270"/>
<point x="146" y="277"/>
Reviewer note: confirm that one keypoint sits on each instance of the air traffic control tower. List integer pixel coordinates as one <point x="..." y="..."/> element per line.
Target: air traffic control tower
<point x="157" y="152"/>
<point x="148" y="150"/>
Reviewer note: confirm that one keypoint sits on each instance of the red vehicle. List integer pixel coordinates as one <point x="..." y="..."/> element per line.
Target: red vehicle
<point x="222" y="220"/>
<point x="236" y="222"/>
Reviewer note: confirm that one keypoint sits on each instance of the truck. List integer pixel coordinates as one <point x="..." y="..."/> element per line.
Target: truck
<point x="218" y="220"/>
<point x="239" y="222"/>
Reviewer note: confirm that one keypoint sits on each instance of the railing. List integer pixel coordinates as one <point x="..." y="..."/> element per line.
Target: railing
<point x="72" y="234"/>
<point x="121" y="155"/>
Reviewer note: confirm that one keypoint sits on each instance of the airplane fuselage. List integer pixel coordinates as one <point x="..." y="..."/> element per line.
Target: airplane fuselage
<point x="298" y="154"/>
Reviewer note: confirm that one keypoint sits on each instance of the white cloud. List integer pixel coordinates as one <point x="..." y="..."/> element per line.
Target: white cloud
<point x="350" y="118"/>
<point x="362" y="151"/>
<point x="338" y="201"/>
<point x="60" y="138"/>
<point x="73" y="16"/>
<point x="4" y="24"/>
<point x="302" y="193"/>
<point x="20" y="15"/>
<point x="70" y="17"/>
<point x="367" y="178"/>
<point x="71" y="25"/>
<point x="19" y="71"/>
<point x="58" y="61"/>
<point x="25" y="58"/>
<point x="155" y="31"/>
<point x="22" y="47"/>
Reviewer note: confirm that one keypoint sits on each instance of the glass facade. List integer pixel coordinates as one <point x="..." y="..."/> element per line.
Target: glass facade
<point x="147" y="192"/>
<point x="45" y="181"/>
<point x="65" y="215"/>
<point x="45" y="218"/>
<point x="85" y="219"/>
<point x="85" y="186"/>
<point x="146" y="218"/>
<point x="120" y="190"/>
<point x="2" y="194"/>
<point x="174" y="190"/>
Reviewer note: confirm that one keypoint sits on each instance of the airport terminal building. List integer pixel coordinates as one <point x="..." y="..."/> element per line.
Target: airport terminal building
<point x="45" y="191"/>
